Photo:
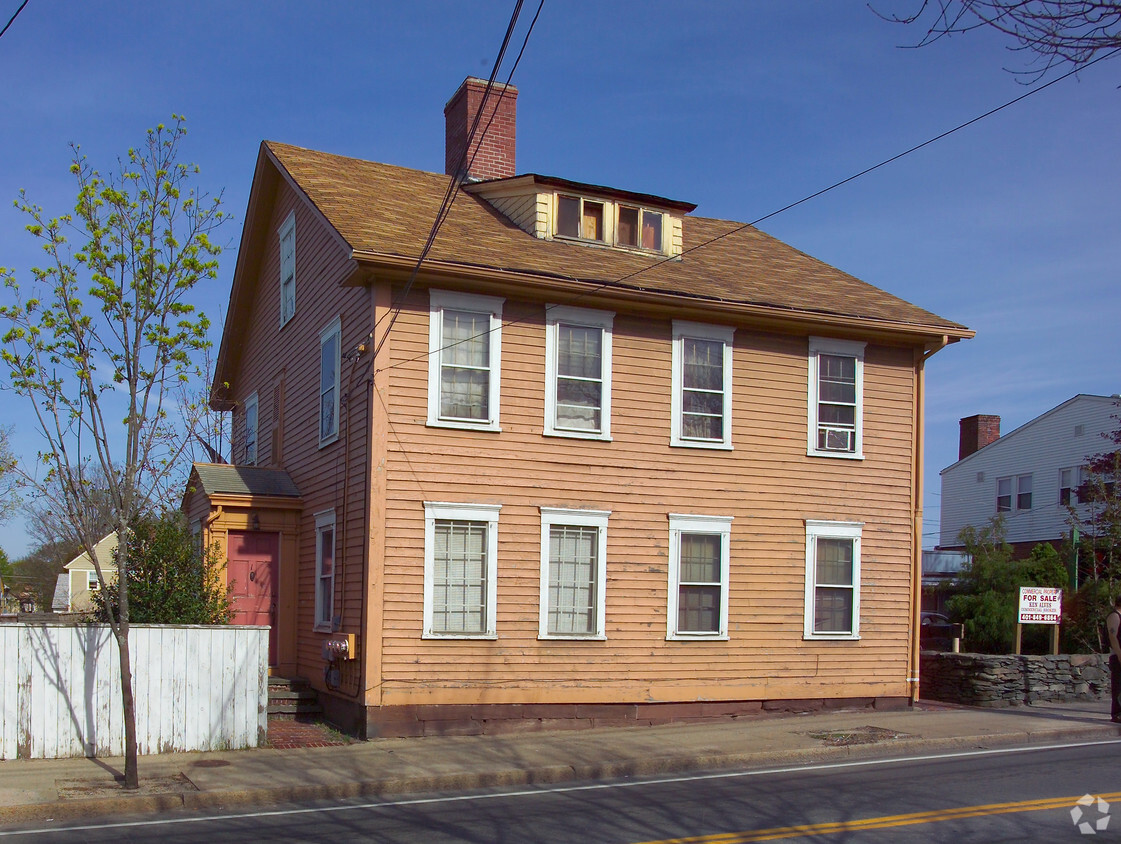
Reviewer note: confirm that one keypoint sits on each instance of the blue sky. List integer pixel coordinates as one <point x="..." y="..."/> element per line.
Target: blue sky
<point x="1009" y="227"/>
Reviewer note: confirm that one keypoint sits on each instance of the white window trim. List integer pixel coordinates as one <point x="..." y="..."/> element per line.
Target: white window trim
<point x="700" y="331"/>
<point x="286" y="228"/>
<point x="92" y="583"/>
<point x="335" y="327"/>
<point x="439" y="300"/>
<point x="440" y="510"/>
<point x="555" y="316"/>
<point x="847" y="348"/>
<point x="831" y="530"/>
<point x="581" y="518"/>
<point x="252" y="403"/>
<point x="1014" y="500"/>
<point x="325" y="519"/>
<point x="680" y="523"/>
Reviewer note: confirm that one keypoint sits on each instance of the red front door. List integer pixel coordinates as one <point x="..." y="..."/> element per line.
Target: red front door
<point x="252" y="573"/>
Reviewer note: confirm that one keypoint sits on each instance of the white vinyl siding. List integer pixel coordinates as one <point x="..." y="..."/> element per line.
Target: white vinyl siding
<point x="287" y="236"/>
<point x="698" y="577"/>
<point x="460" y="568"/>
<point x="578" y="372"/>
<point x="836" y="398"/>
<point x="701" y="402"/>
<point x="329" y="371"/>
<point x="324" y="570"/>
<point x="1042" y="447"/>
<point x="464" y="360"/>
<point x="832" y="580"/>
<point x="573" y="573"/>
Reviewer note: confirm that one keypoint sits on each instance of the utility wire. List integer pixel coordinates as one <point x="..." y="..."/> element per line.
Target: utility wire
<point x="12" y="19"/>
<point x="464" y="166"/>
<point x="784" y="208"/>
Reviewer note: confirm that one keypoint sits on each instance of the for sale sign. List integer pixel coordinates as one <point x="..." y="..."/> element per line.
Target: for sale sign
<point x="1040" y="606"/>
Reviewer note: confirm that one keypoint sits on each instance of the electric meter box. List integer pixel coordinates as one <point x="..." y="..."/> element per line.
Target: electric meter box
<point x="339" y="646"/>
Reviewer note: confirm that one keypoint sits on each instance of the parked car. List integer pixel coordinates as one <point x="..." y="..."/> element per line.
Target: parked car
<point x="937" y="632"/>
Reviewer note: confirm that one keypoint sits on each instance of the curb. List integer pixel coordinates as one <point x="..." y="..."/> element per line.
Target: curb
<point x="681" y="763"/>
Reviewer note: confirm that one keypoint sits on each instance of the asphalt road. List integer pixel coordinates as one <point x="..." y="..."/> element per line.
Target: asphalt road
<point x="1011" y="794"/>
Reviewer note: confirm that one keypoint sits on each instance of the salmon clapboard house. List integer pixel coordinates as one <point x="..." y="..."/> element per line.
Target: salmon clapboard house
<point x="598" y="461"/>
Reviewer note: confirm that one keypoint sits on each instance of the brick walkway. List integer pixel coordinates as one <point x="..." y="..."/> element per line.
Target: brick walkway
<point x="286" y="735"/>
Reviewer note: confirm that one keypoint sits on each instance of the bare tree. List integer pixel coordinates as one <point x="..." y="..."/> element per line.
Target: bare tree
<point x="102" y="342"/>
<point x="1058" y="32"/>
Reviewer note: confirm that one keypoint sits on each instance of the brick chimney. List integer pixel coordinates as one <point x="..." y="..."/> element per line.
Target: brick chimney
<point x="976" y="433"/>
<point x="495" y="158"/>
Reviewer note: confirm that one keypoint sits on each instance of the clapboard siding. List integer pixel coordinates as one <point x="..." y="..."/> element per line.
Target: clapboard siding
<point x="767" y="483"/>
<point x="334" y="476"/>
<point x="196" y="689"/>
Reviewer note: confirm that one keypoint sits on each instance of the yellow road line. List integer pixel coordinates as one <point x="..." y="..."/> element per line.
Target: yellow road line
<point x="886" y="821"/>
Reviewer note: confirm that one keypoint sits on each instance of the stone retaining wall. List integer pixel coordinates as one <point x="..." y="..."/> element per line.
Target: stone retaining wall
<point x="988" y="680"/>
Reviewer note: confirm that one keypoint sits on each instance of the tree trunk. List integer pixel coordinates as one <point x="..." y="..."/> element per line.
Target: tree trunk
<point x="132" y="774"/>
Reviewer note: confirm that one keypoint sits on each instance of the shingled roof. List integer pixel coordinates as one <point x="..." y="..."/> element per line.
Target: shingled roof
<point x="384" y="210"/>
<point x="224" y="479"/>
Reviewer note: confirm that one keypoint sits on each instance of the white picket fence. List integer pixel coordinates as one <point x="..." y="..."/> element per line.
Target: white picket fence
<point x="196" y="688"/>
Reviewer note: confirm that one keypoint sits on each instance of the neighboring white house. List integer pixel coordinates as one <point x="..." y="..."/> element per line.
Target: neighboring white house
<point x="80" y="577"/>
<point x="1029" y="475"/>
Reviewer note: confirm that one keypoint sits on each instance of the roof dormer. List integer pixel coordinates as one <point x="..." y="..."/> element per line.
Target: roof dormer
<point x="591" y="215"/>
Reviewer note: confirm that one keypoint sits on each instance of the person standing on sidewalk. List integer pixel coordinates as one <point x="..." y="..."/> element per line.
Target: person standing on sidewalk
<point x="1113" y="630"/>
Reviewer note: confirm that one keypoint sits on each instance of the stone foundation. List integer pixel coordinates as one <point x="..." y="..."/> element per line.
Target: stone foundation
<point x="489" y="719"/>
<point x="989" y="680"/>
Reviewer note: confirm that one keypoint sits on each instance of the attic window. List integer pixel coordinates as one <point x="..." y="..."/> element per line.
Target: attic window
<point x="639" y="227"/>
<point x="582" y="218"/>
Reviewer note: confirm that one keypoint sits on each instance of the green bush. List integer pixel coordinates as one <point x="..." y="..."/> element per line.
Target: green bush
<point x="170" y="580"/>
<point x="989" y="590"/>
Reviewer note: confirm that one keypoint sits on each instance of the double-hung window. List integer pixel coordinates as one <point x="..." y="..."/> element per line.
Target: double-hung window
<point x="698" y="576"/>
<point x="324" y="570"/>
<point x="573" y="573"/>
<point x="1067" y="486"/>
<point x="460" y="565"/>
<point x="578" y="372"/>
<point x="701" y="402"/>
<point x="330" y="342"/>
<point x="832" y="580"/>
<point x="836" y="406"/>
<point x="464" y="360"/>
<point x="1013" y="493"/>
<point x="250" y="419"/>
<point x="92" y="583"/>
<point x="288" y="269"/>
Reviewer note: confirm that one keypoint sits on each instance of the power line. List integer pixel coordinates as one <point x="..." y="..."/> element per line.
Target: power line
<point x="12" y="19"/>
<point x="736" y="230"/>
<point x="464" y="166"/>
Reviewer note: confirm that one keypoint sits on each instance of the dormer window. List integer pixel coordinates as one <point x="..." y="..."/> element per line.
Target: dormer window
<point x="582" y="218"/>
<point x="639" y="227"/>
<point x="615" y="224"/>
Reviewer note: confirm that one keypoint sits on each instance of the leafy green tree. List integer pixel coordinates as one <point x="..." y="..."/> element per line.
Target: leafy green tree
<point x="989" y="588"/>
<point x="106" y="335"/>
<point x="170" y="579"/>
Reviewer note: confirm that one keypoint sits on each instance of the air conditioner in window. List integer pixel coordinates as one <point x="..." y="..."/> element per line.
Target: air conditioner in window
<point x="839" y="439"/>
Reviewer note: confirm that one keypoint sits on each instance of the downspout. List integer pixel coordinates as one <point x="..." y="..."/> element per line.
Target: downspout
<point x="921" y="357"/>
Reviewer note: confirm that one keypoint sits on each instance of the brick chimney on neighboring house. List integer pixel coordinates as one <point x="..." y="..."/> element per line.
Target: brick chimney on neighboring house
<point x="976" y="433"/>
<point x="495" y="158"/>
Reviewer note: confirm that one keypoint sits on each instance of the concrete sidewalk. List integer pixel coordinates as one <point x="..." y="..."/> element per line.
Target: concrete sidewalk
<point x="72" y="789"/>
